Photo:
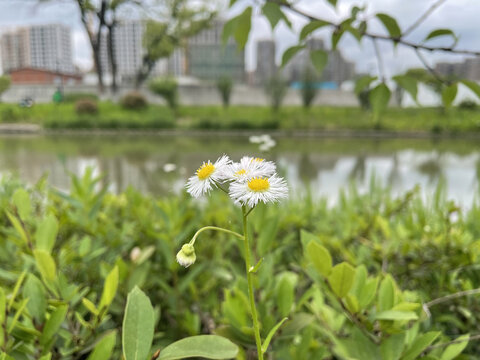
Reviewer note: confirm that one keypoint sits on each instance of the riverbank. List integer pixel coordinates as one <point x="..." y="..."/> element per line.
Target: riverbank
<point x="318" y="121"/>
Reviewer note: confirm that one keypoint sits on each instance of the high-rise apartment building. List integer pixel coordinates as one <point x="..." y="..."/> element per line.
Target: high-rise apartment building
<point x="266" y="67"/>
<point x="46" y="47"/>
<point x="208" y="58"/>
<point x="468" y="69"/>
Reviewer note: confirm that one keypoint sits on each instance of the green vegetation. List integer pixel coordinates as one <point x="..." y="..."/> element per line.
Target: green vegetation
<point x="167" y="89"/>
<point x="351" y="278"/>
<point x="4" y="84"/>
<point x="111" y="116"/>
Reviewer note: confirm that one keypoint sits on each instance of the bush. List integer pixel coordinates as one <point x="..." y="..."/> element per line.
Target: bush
<point x="276" y="90"/>
<point x="308" y="90"/>
<point x="86" y="107"/>
<point x="75" y="96"/>
<point x="134" y="101"/>
<point x="468" y="105"/>
<point x="224" y="86"/>
<point x="4" y="84"/>
<point x="167" y="89"/>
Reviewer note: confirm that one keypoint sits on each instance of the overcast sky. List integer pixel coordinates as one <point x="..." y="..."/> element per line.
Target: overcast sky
<point x="460" y="15"/>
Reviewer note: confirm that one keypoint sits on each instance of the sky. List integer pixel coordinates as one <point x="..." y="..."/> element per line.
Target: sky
<point x="459" y="15"/>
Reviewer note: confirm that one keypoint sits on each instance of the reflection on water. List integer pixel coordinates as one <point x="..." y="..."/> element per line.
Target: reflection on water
<point x="323" y="166"/>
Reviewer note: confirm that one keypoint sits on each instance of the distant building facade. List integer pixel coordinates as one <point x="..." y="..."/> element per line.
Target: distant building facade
<point x="468" y="69"/>
<point x="24" y="76"/>
<point x="266" y="66"/>
<point x="336" y="71"/>
<point x="46" y="47"/>
<point x="208" y="58"/>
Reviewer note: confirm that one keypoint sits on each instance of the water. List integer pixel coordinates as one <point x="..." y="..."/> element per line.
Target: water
<point x="161" y="164"/>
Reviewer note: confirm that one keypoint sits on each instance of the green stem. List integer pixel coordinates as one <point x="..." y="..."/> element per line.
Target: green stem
<point x="251" y="296"/>
<point x="217" y="229"/>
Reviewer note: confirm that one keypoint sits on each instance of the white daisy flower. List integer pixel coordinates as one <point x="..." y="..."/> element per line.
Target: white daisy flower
<point x="264" y="189"/>
<point x="248" y="168"/>
<point x="207" y="176"/>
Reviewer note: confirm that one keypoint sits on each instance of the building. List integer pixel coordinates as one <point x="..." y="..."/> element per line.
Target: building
<point x="266" y="67"/>
<point x="208" y="58"/>
<point x="468" y="69"/>
<point x="46" y="47"/>
<point x="335" y="72"/>
<point x="44" y="77"/>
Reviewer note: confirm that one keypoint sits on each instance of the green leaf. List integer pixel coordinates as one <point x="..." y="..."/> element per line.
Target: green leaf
<point x="333" y="2"/>
<point x="285" y="296"/>
<point x="391" y="25"/>
<point x="311" y="27"/>
<point x="238" y="27"/>
<point x="18" y="226"/>
<point x="45" y="264"/>
<point x="341" y="279"/>
<point x="18" y="313"/>
<point x="203" y="346"/>
<point x="441" y="32"/>
<point x="290" y="53"/>
<point x="138" y="326"/>
<point x="47" y="233"/>
<point x="379" y="98"/>
<point x="21" y="200"/>
<point x="16" y="288"/>
<point x="453" y="350"/>
<point x="449" y="93"/>
<point x="320" y="257"/>
<point x="473" y="86"/>
<point x="396" y="315"/>
<point x="104" y="348"/>
<point x="272" y="332"/>
<point x="53" y="324"/>
<point x="46" y="357"/>
<point x="363" y="83"/>
<point x="420" y="344"/>
<point x="319" y="59"/>
<point x="408" y="83"/>
<point x="3" y="305"/>
<point x="90" y="306"/>
<point x="392" y="347"/>
<point x="35" y="292"/>
<point x="109" y="289"/>
<point x="336" y="36"/>
<point x="386" y="294"/>
<point x="274" y="14"/>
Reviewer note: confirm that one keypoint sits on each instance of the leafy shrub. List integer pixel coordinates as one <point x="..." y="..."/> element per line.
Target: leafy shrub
<point x="86" y="107"/>
<point x="134" y="101"/>
<point x="276" y="89"/>
<point x="4" y="84"/>
<point x="167" y="89"/>
<point x="468" y="105"/>
<point x="9" y="114"/>
<point x="224" y="87"/>
<point x="308" y="90"/>
<point x="75" y="96"/>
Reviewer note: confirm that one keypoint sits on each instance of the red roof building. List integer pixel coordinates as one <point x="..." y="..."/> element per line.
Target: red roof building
<point x="42" y="76"/>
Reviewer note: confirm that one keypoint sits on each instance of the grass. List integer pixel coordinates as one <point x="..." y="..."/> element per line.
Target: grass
<point x="113" y="116"/>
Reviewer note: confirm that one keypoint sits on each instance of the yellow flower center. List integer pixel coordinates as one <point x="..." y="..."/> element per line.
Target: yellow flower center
<point x="259" y="184"/>
<point x="258" y="159"/>
<point x="241" y="172"/>
<point x="205" y="171"/>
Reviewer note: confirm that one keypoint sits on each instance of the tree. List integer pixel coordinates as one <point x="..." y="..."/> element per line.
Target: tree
<point x="358" y="24"/>
<point x="4" y="84"/>
<point x="167" y="89"/>
<point x="176" y="21"/>
<point x="224" y="87"/>
<point x="276" y="89"/>
<point x="309" y="88"/>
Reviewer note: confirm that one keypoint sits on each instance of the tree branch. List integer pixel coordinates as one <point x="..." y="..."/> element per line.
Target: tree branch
<point x="399" y="40"/>
<point x="381" y="70"/>
<point x="423" y="17"/>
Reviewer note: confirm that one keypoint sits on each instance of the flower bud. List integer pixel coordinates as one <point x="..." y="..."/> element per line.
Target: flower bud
<point x="135" y="253"/>
<point x="186" y="256"/>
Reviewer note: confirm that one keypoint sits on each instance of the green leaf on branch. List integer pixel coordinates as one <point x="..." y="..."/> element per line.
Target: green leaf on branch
<point x="271" y="333"/>
<point x="453" y="350"/>
<point x="46" y="233"/>
<point x="274" y="14"/>
<point x="391" y="348"/>
<point x="419" y="345"/>
<point x="341" y="279"/>
<point x="53" y="324"/>
<point x="408" y="83"/>
<point x="386" y="294"/>
<point x="138" y="326"/>
<point x="35" y="292"/>
<point x="18" y="226"/>
<point x="104" y="348"/>
<point x="473" y="86"/>
<point x="238" y="27"/>
<point x="441" y="32"/>
<point x="336" y="36"/>
<point x="285" y="294"/>
<point x="109" y="289"/>
<point x="363" y="83"/>
<point x="379" y="98"/>
<point x="203" y="346"/>
<point x="311" y="27"/>
<point x="319" y="59"/>
<point x="333" y="2"/>
<point x="46" y="264"/>
<point x="391" y="25"/>
<point x="449" y="93"/>
<point x="290" y="53"/>
<point x="396" y="315"/>
<point x="21" y="200"/>
<point x="320" y="257"/>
